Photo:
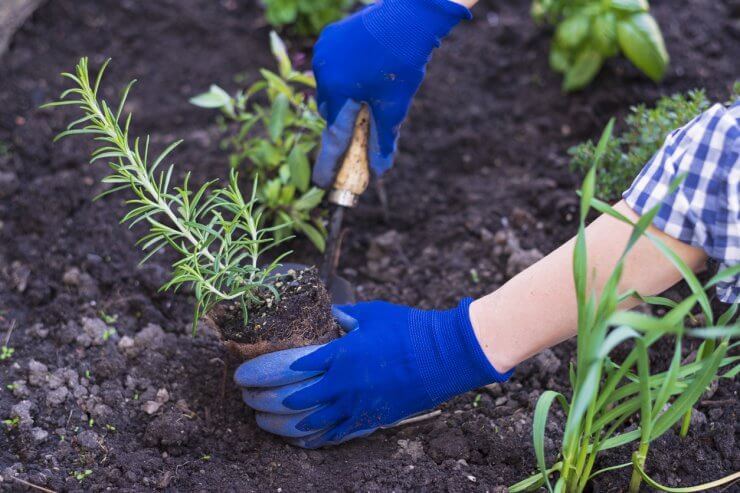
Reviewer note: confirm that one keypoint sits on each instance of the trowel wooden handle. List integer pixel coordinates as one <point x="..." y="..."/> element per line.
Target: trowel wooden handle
<point x="354" y="173"/>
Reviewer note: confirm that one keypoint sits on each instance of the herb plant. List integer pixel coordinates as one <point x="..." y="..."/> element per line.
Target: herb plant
<point x="307" y="17"/>
<point x="214" y="231"/>
<point x="590" y="31"/>
<point x="274" y="143"/>
<point x="646" y="130"/>
<point x="607" y="395"/>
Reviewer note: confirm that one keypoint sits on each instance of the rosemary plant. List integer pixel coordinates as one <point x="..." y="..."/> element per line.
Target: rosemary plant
<point x="214" y="231"/>
<point x="606" y="394"/>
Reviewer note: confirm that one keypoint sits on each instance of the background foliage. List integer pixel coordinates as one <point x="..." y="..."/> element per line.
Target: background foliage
<point x="588" y="32"/>
<point x="274" y="143"/>
<point x="645" y="131"/>
<point x="306" y="17"/>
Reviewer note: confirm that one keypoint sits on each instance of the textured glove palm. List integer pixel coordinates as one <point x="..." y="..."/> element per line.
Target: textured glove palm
<point x="377" y="56"/>
<point x="395" y="361"/>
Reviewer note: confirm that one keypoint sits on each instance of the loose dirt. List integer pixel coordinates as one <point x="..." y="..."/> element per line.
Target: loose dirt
<point x="483" y="157"/>
<point x="299" y="316"/>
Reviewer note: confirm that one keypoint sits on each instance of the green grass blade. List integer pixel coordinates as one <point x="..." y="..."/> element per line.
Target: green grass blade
<point x="533" y="482"/>
<point x="687" y="274"/>
<point x="610" y="468"/>
<point x="689" y="397"/>
<point x="687" y="489"/>
<point x="538" y="431"/>
<point x="661" y="399"/>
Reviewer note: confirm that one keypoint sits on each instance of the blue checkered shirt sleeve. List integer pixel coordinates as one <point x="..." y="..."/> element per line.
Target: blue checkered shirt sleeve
<point x="705" y="209"/>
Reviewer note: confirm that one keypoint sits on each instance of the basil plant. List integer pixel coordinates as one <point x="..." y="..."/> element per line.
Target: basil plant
<point x="588" y="32"/>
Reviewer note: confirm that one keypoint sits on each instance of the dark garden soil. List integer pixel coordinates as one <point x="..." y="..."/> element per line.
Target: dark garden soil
<point x="481" y="189"/>
<point x="299" y="316"/>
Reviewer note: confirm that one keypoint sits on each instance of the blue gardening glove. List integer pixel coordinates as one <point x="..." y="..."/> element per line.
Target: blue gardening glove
<point x="395" y="361"/>
<point x="377" y="56"/>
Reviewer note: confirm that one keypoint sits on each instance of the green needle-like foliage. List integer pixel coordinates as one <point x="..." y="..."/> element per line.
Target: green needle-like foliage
<point x="214" y="231"/>
<point x="606" y="394"/>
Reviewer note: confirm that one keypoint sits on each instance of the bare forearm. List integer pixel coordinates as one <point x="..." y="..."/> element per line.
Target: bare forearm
<point x="537" y="308"/>
<point x="466" y="3"/>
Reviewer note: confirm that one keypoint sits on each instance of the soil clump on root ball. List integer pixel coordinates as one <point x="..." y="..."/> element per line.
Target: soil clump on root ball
<point x="300" y="316"/>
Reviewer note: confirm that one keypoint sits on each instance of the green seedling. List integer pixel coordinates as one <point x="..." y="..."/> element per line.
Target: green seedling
<point x="108" y="333"/>
<point x="608" y="395"/>
<point x="108" y="319"/>
<point x="645" y="131"/>
<point x="11" y="386"/>
<point x="305" y="18"/>
<point x="215" y="232"/>
<point x="476" y="400"/>
<point x="6" y="352"/>
<point x="90" y="422"/>
<point x="206" y="457"/>
<point x="13" y="422"/>
<point x="588" y="32"/>
<point x="82" y="475"/>
<point x="274" y="144"/>
<point x="110" y="427"/>
<point x="474" y="276"/>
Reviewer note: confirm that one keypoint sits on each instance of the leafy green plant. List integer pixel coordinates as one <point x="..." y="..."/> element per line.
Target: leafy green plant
<point x="590" y="31"/>
<point x="82" y="475"/>
<point x="607" y="394"/>
<point x="306" y="17"/>
<point x="6" y="352"/>
<point x="274" y="143"/>
<point x="214" y="231"/>
<point x="12" y="422"/>
<point x="645" y="131"/>
<point x="108" y="318"/>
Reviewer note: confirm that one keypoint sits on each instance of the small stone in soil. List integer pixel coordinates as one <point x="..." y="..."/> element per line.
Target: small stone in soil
<point x="39" y="435"/>
<point x="57" y="397"/>
<point x="38" y="373"/>
<point x="89" y="439"/>
<point x="22" y="411"/>
<point x="151" y="407"/>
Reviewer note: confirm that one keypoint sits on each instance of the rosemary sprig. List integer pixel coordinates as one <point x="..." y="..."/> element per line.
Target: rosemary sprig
<point x="215" y="231"/>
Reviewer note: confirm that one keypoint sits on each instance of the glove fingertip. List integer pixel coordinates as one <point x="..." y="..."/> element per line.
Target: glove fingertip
<point x="274" y="369"/>
<point x="344" y="319"/>
<point x="325" y="167"/>
<point x="316" y="361"/>
<point x="340" y="116"/>
<point x="380" y="164"/>
<point x="383" y="138"/>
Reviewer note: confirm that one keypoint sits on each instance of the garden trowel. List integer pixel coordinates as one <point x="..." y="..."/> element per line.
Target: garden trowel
<point x="350" y="182"/>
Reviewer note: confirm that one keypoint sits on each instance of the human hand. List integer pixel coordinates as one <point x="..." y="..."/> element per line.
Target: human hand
<point x="394" y="362"/>
<point x="376" y="56"/>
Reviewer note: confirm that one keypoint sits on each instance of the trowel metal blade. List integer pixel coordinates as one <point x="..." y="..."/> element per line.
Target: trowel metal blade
<point x="341" y="291"/>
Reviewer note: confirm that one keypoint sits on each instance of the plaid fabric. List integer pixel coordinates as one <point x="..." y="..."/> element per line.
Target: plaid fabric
<point x="705" y="209"/>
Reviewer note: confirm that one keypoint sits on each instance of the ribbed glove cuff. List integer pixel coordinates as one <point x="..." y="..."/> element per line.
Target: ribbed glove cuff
<point x="411" y="29"/>
<point x="450" y="359"/>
